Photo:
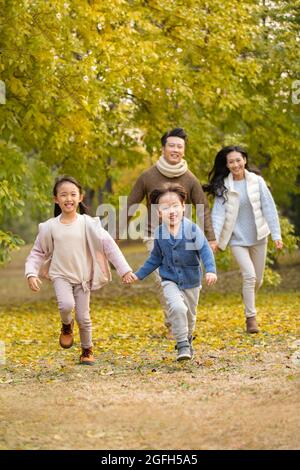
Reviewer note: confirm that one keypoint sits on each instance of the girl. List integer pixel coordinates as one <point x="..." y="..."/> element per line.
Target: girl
<point x="244" y="214"/>
<point x="179" y="246"/>
<point x="72" y="250"/>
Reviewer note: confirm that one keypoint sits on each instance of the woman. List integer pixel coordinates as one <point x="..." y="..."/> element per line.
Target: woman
<point x="243" y="215"/>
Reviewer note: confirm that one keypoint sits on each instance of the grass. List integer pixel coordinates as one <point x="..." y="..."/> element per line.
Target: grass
<point x="128" y="331"/>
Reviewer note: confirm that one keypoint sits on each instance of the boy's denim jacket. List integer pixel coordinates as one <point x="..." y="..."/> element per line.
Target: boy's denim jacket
<point x="179" y="259"/>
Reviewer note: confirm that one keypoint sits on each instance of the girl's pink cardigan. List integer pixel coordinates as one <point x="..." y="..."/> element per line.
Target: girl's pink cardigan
<point x="102" y="247"/>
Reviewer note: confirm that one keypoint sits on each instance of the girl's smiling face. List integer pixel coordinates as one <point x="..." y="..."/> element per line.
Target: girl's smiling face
<point x="68" y="197"/>
<point x="171" y="209"/>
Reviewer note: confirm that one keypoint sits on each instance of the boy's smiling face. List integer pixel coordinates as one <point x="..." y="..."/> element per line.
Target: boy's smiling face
<point x="171" y="209"/>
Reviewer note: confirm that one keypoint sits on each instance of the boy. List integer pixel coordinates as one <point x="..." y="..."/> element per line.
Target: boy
<point x="179" y="246"/>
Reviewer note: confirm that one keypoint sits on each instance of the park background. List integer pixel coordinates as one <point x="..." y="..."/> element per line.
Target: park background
<point x="87" y="89"/>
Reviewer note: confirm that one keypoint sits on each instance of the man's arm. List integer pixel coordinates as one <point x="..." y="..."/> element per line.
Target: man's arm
<point x="199" y="198"/>
<point x="136" y="196"/>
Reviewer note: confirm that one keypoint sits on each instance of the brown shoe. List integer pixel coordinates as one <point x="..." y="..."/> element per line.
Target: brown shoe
<point x="251" y="325"/>
<point x="66" y="338"/>
<point x="87" y="358"/>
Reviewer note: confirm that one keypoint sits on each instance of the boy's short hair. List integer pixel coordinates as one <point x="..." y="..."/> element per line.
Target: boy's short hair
<point x="177" y="132"/>
<point x="168" y="188"/>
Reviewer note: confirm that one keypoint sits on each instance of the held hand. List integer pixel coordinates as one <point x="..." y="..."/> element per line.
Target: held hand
<point x="129" y="278"/>
<point x="33" y="283"/>
<point x="214" y="246"/>
<point x="278" y="244"/>
<point x="211" y="278"/>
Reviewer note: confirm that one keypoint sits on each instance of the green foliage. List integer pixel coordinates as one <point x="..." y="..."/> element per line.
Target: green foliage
<point x="24" y="185"/>
<point x="8" y="243"/>
<point x="290" y="240"/>
<point x="271" y="277"/>
<point x="224" y="259"/>
<point x="91" y="86"/>
<point x="11" y="195"/>
<point x="290" y="244"/>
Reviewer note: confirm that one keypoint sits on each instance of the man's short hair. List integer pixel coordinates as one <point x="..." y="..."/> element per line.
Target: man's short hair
<point x="177" y="132"/>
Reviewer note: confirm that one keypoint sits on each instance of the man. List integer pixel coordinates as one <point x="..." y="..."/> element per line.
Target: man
<point x="171" y="167"/>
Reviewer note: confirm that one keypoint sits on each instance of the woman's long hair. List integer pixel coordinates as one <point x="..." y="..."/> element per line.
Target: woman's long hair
<point x="83" y="209"/>
<point x="216" y="177"/>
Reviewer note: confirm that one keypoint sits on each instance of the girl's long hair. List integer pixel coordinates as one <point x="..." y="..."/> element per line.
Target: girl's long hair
<point x="216" y="177"/>
<point x="83" y="209"/>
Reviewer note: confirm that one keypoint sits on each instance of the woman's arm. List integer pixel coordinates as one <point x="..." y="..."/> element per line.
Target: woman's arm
<point x="269" y="210"/>
<point x="218" y="216"/>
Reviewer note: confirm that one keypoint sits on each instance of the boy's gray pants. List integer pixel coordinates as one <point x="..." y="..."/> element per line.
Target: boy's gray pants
<point x="149" y="242"/>
<point x="182" y="309"/>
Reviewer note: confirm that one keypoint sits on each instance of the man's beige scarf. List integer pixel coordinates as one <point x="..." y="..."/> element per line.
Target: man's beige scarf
<point x="171" y="171"/>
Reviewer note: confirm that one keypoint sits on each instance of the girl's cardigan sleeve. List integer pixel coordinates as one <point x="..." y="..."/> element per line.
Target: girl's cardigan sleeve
<point x="35" y="259"/>
<point x="114" y="254"/>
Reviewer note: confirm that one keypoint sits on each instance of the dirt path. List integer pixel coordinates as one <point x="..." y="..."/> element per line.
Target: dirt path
<point x="253" y="407"/>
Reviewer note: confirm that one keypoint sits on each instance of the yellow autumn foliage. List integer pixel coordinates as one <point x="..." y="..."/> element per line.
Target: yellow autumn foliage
<point x="129" y="335"/>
